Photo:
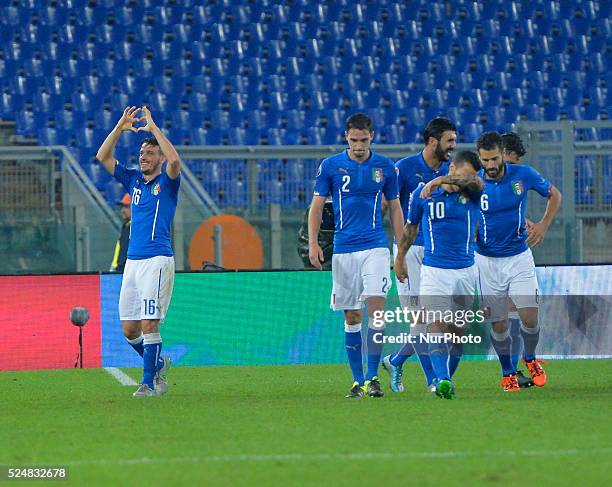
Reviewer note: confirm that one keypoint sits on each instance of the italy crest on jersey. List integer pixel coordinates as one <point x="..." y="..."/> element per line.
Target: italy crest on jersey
<point x="156" y="189"/>
<point x="517" y="188"/>
<point x="377" y="175"/>
<point x="462" y="199"/>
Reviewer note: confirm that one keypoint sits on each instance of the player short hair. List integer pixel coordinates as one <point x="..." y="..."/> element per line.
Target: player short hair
<point x="436" y="127"/>
<point x="468" y="157"/>
<point x="150" y="141"/>
<point x="359" y="121"/>
<point x="511" y="142"/>
<point x="489" y="141"/>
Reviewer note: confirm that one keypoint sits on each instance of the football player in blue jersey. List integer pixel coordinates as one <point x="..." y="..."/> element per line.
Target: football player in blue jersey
<point x="446" y="209"/>
<point x="357" y="179"/>
<point x="148" y="277"/>
<point x="505" y="262"/>
<point x="440" y="137"/>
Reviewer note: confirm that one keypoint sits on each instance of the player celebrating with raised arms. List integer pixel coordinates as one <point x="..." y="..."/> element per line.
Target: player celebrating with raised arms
<point x="504" y="260"/>
<point x="357" y="179"/>
<point x="447" y="210"/>
<point x="148" y="277"/>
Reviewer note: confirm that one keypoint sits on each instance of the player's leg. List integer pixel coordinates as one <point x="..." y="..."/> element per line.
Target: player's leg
<point x="495" y="299"/>
<point x="346" y="291"/>
<point x="155" y="278"/>
<point x="436" y="291"/>
<point x="129" y="308"/>
<point x="166" y="286"/>
<point x="515" y="323"/>
<point x="376" y="280"/>
<point x="409" y="295"/>
<point x="132" y="331"/>
<point x="524" y="294"/>
<point x="406" y="291"/>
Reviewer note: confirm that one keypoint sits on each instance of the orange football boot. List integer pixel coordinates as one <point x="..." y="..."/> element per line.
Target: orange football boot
<point x="538" y="376"/>
<point x="510" y="383"/>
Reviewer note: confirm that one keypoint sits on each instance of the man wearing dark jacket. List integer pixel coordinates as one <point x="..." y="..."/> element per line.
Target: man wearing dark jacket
<point x="122" y="243"/>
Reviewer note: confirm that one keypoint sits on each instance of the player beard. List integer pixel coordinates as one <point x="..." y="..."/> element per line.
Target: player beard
<point x="442" y="155"/>
<point x="493" y="172"/>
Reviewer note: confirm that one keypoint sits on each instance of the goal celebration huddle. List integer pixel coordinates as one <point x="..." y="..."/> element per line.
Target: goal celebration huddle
<point x="460" y="230"/>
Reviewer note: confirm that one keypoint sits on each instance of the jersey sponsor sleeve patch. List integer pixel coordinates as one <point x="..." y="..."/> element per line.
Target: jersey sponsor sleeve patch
<point x="323" y="182"/>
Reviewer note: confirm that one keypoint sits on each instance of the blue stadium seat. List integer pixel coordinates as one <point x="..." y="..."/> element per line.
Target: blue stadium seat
<point x="471" y="131"/>
<point x="47" y="136"/>
<point x="415" y="116"/>
<point x="113" y="191"/>
<point x="99" y="176"/>
<point x="46" y="102"/>
<point x="82" y="103"/>
<point x="104" y="119"/>
<point x="22" y="85"/>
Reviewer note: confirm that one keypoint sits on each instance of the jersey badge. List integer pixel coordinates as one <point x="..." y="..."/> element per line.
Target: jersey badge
<point x="517" y="188"/>
<point x="377" y="175"/>
<point x="156" y="189"/>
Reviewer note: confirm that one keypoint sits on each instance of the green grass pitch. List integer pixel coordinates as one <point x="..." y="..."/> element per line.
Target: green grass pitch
<point x="290" y="425"/>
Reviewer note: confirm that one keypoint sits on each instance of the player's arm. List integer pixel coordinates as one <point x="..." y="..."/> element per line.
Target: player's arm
<point x="409" y="233"/>
<point x="537" y="231"/>
<point x="470" y="184"/>
<point x="173" y="168"/>
<point x="396" y="216"/>
<point x="315" y="215"/>
<point x="106" y="152"/>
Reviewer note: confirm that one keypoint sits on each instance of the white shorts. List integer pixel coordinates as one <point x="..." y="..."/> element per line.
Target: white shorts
<point x="359" y="275"/>
<point x="448" y="289"/>
<point x="146" y="288"/>
<point x="503" y="277"/>
<point x="408" y="291"/>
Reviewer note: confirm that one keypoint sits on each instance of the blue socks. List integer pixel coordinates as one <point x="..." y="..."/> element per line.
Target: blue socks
<point x="456" y="351"/>
<point x="151" y="356"/>
<point x="502" y="343"/>
<point x="531" y="336"/>
<point x="422" y="351"/>
<point x="352" y="343"/>
<point x="403" y="354"/>
<point x="517" y="343"/>
<point x="138" y="345"/>
<point x="438" y="354"/>
<point x="374" y="350"/>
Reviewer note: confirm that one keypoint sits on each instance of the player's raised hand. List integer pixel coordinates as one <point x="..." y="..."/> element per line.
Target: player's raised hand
<point x="150" y="125"/>
<point x="430" y="187"/>
<point x="128" y="119"/>
<point x="401" y="272"/>
<point x="315" y="254"/>
<point x="536" y="232"/>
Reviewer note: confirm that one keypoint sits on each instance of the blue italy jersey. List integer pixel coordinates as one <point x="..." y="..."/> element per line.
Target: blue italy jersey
<point x="414" y="170"/>
<point x="448" y="221"/>
<point x="356" y="191"/>
<point x="502" y="210"/>
<point x="153" y="208"/>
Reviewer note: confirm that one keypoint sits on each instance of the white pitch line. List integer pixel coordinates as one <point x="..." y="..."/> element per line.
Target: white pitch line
<point x="306" y="457"/>
<point x="121" y="376"/>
